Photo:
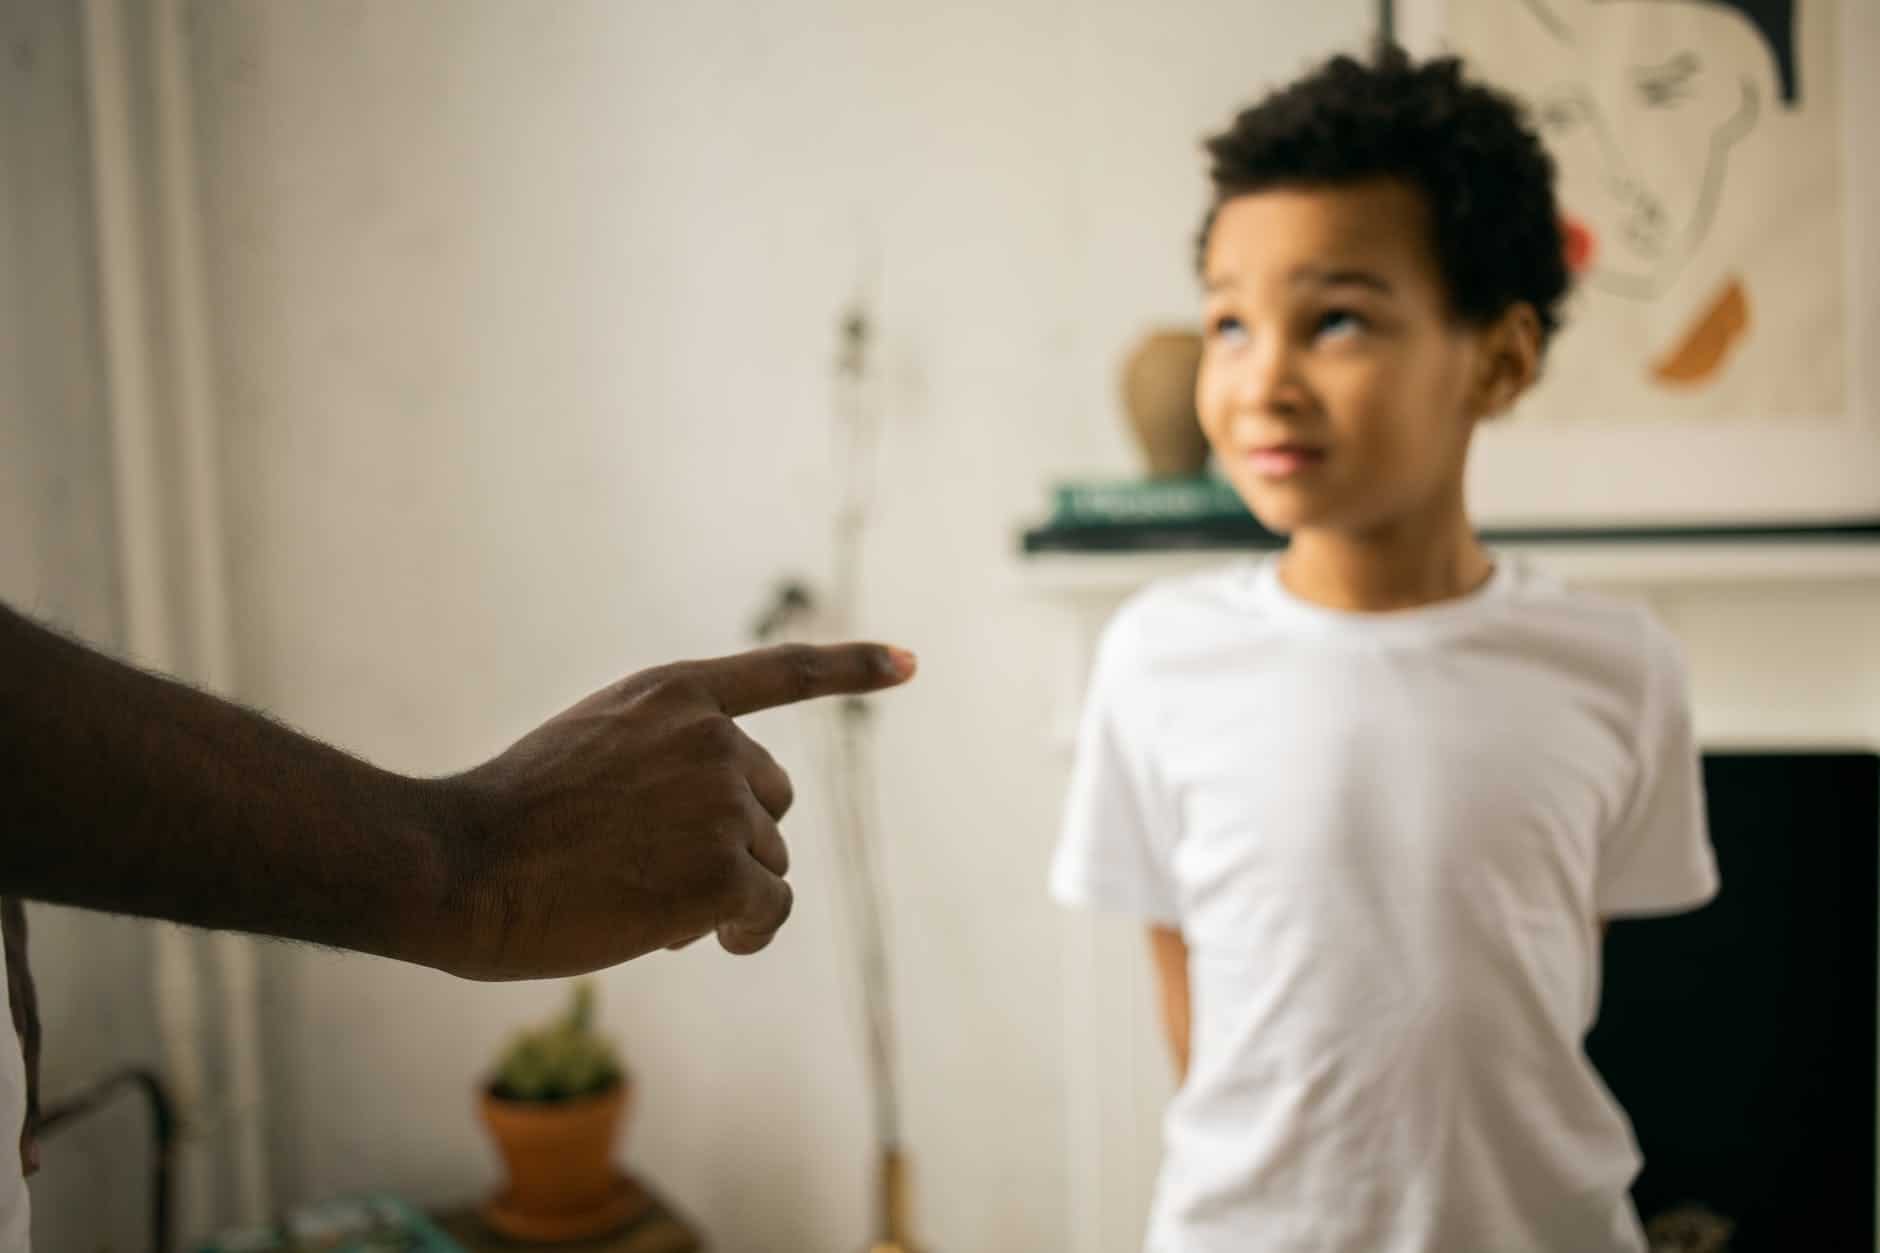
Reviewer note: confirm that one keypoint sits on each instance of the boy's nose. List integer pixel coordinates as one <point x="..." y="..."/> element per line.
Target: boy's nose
<point x="1267" y="381"/>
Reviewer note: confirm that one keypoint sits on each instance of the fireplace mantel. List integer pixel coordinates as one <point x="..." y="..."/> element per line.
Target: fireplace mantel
<point x="1639" y="564"/>
<point x="1793" y="595"/>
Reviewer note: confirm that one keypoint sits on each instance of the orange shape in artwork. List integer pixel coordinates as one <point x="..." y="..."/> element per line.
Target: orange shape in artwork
<point x="1701" y="352"/>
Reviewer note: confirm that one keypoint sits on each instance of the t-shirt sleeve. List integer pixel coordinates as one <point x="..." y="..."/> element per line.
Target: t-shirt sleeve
<point x="1658" y="859"/>
<point x="1117" y="828"/>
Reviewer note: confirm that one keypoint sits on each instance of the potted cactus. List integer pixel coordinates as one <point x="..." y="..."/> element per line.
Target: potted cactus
<point x="554" y="1106"/>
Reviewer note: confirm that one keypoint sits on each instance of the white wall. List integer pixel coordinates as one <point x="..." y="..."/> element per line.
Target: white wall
<point x="56" y="561"/>
<point x="525" y="318"/>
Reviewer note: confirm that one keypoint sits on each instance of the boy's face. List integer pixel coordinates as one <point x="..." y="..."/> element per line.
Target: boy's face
<point x="1337" y="389"/>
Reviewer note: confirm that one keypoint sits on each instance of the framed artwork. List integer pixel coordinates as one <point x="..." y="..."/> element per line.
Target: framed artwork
<point x="1720" y="189"/>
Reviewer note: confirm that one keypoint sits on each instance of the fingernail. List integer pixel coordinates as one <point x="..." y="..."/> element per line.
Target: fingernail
<point x="904" y="662"/>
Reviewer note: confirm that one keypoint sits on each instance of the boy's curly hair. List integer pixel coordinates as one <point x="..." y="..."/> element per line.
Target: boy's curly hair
<point x="1466" y="148"/>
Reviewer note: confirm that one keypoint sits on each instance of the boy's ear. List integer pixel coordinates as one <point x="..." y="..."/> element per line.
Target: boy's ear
<point x="1511" y="360"/>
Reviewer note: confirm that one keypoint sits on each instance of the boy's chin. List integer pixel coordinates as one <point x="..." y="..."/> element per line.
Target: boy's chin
<point x="1286" y="512"/>
<point x="1286" y="508"/>
<point x="1279" y="523"/>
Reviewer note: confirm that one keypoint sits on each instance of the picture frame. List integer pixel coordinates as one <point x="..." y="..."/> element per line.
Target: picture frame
<point x="1717" y="367"/>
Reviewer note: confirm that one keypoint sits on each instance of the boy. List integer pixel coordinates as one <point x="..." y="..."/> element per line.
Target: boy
<point x="1377" y="797"/>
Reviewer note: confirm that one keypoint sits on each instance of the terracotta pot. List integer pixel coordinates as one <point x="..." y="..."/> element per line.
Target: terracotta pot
<point x="559" y="1154"/>
<point x="1159" y="397"/>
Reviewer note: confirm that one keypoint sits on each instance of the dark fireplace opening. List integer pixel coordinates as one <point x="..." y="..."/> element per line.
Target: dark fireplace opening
<point x="1741" y="1038"/>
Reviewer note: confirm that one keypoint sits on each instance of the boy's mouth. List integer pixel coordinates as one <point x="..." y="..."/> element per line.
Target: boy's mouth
<point x="1284" y="461"/>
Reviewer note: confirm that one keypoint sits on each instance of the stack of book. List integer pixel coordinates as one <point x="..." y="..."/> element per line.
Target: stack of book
<point x="1130" y="515"/>
<point x="367" y="1224"/>
<point x="1134" y="515"/>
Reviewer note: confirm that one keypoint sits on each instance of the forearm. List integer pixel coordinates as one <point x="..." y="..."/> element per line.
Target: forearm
<point x="130" y="793"/>
<point x="1169" y="952"/>
<point x="1175" y="1024"/>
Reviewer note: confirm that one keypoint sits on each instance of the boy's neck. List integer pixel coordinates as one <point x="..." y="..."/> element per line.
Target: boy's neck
<point x="1412" y="562"/>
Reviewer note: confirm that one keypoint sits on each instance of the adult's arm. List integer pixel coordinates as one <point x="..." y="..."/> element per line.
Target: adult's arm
<point x="640" y="818"/>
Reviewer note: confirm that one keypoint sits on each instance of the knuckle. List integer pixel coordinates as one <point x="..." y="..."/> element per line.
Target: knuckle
<point x="719" y="798"/>
<point x="763" y="908"/>
<point x="719" y="737"/>
<point x="806" y="666"/>
<point x="729" y="826"/>
<point x="672" y="685"/>
<point x="723" y="869"/>
<point x="785" y="905"/>
<point x="650" y="679"/>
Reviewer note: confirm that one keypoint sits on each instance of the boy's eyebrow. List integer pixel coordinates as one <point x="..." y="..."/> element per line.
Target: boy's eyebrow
<point x="1313" y="275"/>
<point x="1319" y="277"/>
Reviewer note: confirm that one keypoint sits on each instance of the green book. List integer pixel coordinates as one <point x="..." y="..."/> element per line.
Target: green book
<point x="1136" y="502"/>
<point x="367" y="1224"/>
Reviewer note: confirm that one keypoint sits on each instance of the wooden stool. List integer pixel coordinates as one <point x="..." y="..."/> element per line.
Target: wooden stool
<point x="657" y="1229"/>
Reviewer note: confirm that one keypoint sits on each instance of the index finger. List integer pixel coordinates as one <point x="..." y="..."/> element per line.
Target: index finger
<point x="788" y="673"/>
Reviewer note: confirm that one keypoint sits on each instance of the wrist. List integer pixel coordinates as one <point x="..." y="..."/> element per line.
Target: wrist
<point x="465" y="929"/>
<point x="428" y="919"/>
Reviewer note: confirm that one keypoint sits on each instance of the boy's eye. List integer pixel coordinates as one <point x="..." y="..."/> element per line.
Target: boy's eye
<point x="1339" y="323"/>
<point x="1227" y="327"/>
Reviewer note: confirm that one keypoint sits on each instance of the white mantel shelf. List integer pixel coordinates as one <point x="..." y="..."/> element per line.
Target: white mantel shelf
<point x="1664" y="566"/>
<point x="1673" y="576"/>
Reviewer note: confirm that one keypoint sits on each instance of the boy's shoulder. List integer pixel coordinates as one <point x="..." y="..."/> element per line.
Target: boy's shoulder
<point x="1172" y="614"/>
<point x="1595" y="641"/>
<point x="1547" y="606"/>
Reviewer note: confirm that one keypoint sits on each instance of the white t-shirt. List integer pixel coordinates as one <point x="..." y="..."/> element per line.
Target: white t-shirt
<point x="15" y="1214"/>
<point x="1389" y="841"/>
